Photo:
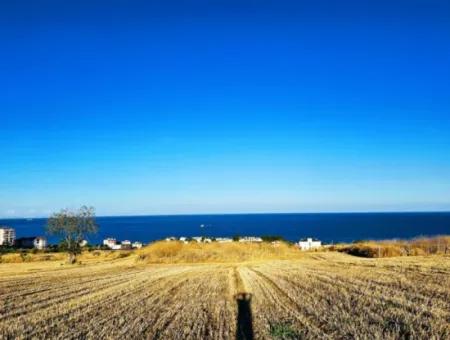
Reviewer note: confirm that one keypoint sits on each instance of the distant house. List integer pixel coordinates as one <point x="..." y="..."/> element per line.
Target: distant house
<point x="40" y="242"/>
<point x="137" y="245"/>
<point x="250" y="239"/>
<point x="125" y="244"/>
<point x="201" y="239"/>
<point x="7" y="236"/>
<point x="223" y="239"/>
<point x="168" y="239"/>
<point x="183" y="239"/>
<point x="32" y="242"/>
<point x="309" y="243"/>
<point x="110" y="242"/>
<point x="83" y="243"/>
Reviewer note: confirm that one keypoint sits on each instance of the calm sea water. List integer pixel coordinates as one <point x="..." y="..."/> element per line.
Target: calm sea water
<point x="331" y="227"/>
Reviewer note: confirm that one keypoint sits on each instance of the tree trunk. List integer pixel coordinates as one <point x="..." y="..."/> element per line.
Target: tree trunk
<point x="71" y="259"/>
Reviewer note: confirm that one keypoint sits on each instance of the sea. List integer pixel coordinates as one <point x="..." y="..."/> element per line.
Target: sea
<point x="328" y="227"/>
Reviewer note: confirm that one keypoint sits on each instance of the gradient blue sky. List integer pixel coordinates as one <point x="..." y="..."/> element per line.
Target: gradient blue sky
<point x="160" y="107"/>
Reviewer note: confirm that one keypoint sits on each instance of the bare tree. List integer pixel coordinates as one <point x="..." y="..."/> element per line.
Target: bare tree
<point x="72" y="227"/>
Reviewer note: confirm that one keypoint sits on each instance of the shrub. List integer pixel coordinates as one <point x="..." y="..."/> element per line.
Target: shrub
<point x="391" y="248"/>
<point x="271" y="238"/>
<point x="282" y="330"/>
<point x="23" y="256"/>
<point x="122" y="255"/>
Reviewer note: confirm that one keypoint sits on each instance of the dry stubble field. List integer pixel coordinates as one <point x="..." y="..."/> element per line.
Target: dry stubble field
<point x="321" y="295"/>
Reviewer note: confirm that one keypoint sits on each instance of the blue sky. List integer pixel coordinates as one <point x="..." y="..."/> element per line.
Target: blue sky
<point x="161" y="107"/>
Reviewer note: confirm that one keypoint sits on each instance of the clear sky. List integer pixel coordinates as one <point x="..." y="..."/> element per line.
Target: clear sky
<point x="160" y="107"/>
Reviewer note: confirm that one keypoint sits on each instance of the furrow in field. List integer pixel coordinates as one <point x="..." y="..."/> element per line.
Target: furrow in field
<point x="105" y="315"/>
<point x="353" y="304"/>
<point x="67" y="306"/>
<point x="201" y="304"/>
<point x="46" y="297"/>
<point x="273" y="305"/>
<point x="144" y="297"/>
<point x="394" y="291"/>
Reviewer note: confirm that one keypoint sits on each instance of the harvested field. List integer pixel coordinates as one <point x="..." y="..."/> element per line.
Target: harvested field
<point x="319" y="296"/>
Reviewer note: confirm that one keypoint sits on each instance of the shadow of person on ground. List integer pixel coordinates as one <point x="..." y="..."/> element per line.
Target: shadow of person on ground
<point x="244" y="326"/>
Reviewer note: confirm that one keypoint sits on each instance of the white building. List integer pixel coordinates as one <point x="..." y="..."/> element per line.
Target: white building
<point x="7" y="236"/>
<point x="83" y="243"/>
<point x="183" y="239"/>
<point x="137" y="245"/>
<point x="116" y="246"/>
<point x="224" y="240"/>
<point x="250" y="239"/>
<point x="168" y="239"/>
<point x="40" y="242"/>
<point x="126" y="243"/>
<point x="110" y="242"/>
<point x="309" y="243"/>
<point x="201" y="239"/>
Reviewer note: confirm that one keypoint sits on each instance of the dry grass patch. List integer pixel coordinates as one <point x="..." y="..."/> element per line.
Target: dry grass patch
<point x="391" y="248"/>
<point x="21" y="257"/>
<point x="178" y="252"/>
<point x="86" y="256"/>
